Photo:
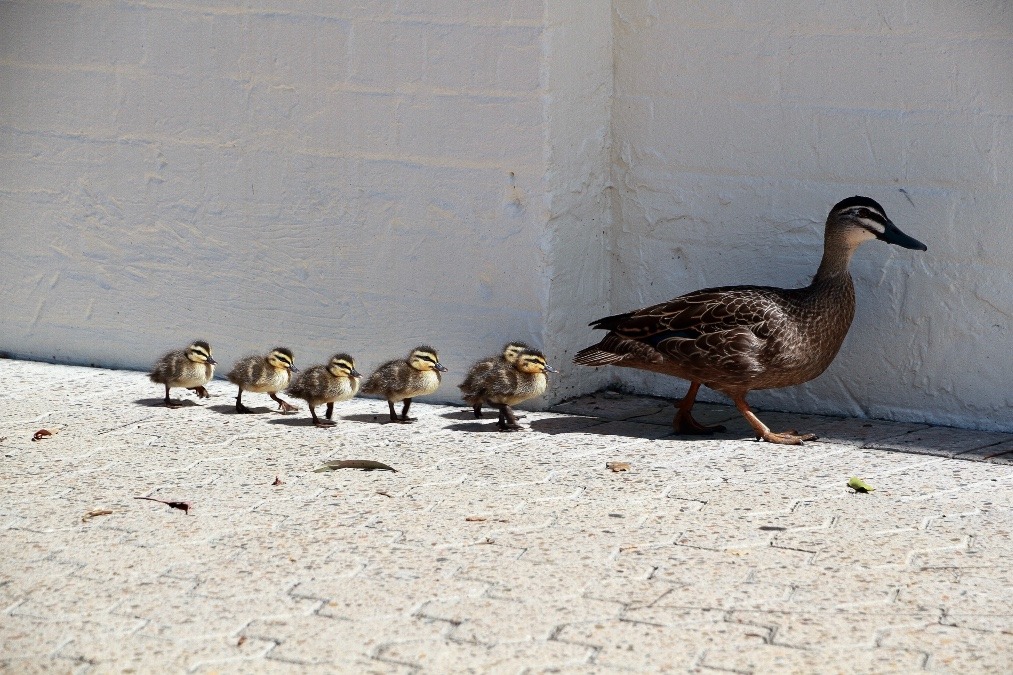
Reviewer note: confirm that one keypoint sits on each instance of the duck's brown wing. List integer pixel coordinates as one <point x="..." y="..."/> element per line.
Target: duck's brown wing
<point x="719" y="329"/>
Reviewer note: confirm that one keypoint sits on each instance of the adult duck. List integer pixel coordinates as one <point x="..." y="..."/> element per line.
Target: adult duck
<point x="736" y="339"/>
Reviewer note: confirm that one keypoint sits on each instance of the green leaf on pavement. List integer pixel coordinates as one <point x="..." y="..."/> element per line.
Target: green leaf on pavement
<point x="859" y="485"/>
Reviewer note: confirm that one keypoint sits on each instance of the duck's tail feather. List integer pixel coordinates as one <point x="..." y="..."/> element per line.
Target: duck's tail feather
<point x="593" y="356"/>
<point x="613" y="350"/>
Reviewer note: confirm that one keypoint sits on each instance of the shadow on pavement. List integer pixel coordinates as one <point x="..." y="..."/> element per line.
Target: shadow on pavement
<point x="160" y="402"/>
<point x="230" y="409"/>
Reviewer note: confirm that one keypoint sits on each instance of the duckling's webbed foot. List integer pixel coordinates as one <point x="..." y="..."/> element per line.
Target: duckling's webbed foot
<point x="240" y="408"/>
<point x="319" y="422"/>
<point x="763" y="432"/>
<point x="404" y="419"/>
<point x="169" y="403"/>
<point x="283" y="406"/>
<point x="507" y="420"/>
<point x="201" y="392"/>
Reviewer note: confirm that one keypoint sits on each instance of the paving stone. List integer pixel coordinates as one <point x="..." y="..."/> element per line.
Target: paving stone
<point x="779" y="658"/>
<point x="954" y="649"/>
<point x="942" y="441"/>
<point x="705" y="413"/>
<point x="447" y="655"/>
<point x="611" y="406"/>
<point x="486" y="551"/>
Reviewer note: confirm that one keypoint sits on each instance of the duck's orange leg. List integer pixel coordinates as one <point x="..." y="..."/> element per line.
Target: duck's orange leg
<point x="684" y="422"/>
<point x="791" y="437"/>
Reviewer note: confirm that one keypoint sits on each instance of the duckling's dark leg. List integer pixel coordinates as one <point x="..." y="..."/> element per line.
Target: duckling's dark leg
<point x="330" y="410"/>
<point x="283" y="406"/>
<point x="507" y="419"/>
<point x="169" y="403"/>
<point x="763" y="431"/>
<point x="201" y="392"/>
<point x="317" y="421"/>
<point x="393" y="414"/>
<point x="404" y="412"/>
<point x="240" y="408"/>
<point x="478" y="409"/>
<point x="684" y="422"/>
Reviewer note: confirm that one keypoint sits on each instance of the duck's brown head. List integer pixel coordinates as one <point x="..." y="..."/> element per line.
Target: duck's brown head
<point x="860" y="219"/>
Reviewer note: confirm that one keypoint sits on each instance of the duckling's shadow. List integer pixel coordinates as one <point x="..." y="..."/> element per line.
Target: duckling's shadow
<point x="368" y="419"/>
<point x="291" y="421"/>
<point x="231" y="410"/>
<point x="473" y="427"/>
<point x="160" y="403"/>
<point x="463" y="414"/>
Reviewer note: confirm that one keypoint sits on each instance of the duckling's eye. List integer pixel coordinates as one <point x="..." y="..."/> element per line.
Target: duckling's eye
<point x="864" y="213"/>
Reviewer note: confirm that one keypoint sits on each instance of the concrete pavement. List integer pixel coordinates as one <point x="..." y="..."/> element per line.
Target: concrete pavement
<point x="488" y="552"/>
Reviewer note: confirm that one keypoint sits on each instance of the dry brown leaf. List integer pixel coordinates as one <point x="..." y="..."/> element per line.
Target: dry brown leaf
<point x="42" y="433"/>
<point x="363" y="464"/>
<point x="97" y="512"/>
<point x="278" y="481"/>
<point x="475" y="519"/>
<point x="616" y="467"/>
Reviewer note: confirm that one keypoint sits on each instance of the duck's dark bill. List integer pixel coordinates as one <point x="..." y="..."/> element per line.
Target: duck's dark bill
<point x="893" y="235"/>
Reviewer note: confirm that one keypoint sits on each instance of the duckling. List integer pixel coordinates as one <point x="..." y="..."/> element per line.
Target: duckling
<point x="471" y="385"/>
<point x="404" y="379"/>
<point x="337" y="381"/>
<point x="190" y="368"/>
<point x="506" y="384"/>
<point x="268" y="374"/>
<point x="739" y="338"/>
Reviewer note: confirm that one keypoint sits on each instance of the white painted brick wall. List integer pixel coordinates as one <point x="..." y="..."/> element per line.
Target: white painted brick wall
<point x="738" y="125"/>
<point x="368" y="175"/>
<point x="360" y="176"/>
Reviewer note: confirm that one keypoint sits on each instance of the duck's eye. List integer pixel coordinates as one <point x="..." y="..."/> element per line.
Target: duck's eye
<point x="864" y="213"/>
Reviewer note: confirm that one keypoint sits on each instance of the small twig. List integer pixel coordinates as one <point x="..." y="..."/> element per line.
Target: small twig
<point x="182" y="506"/>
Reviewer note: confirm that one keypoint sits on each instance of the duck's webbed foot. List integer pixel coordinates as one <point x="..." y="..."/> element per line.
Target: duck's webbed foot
<point x="790" y="437"/>
<point x="763" y="432"/>
<point x="201" y="392"/>
<point x="683" y="421"/>
<point x="685" y="424"/>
